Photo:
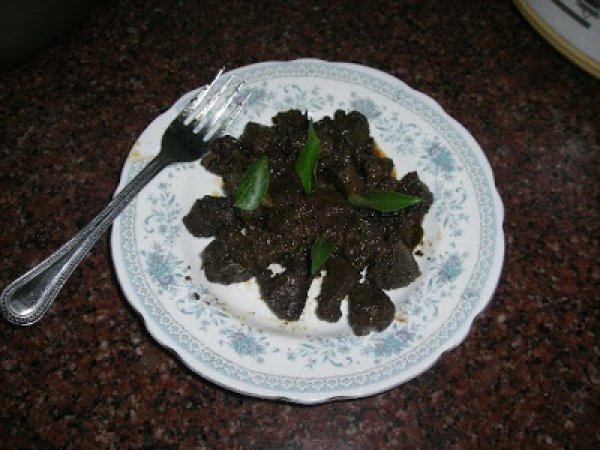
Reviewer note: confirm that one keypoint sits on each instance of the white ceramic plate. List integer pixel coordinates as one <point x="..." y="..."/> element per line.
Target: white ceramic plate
<point x="227" y="335"/>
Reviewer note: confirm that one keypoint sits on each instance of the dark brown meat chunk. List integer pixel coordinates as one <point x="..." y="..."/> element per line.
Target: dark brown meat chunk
<point x="282" y="229"/>
<point x="378" y="173"/>
<point x="209" y="215"/>
<point x="354" y="128"/>
<point x="257" y="139"/>
<point x="394" y="268"/>
<point x="227" y="259"/>
<point x="292" y="127"/>
<point x="337" y="158"/>
<point x="407" y="223"/>
<point x="269" y="247"/>
<point x="370" y="309"/>
<point x="340" y="278"/>
<point x="411" y="184"/>
<point x="285" y="293"/>
<point x="226" y="156"/>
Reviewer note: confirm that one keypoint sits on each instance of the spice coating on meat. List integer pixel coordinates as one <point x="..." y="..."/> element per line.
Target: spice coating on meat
<point x="285" y="293"/>
<point x="282" y="229"/>
<point x="370" y="309"/>
<point x="340" y="278"/>
<point x="206" y="225"/>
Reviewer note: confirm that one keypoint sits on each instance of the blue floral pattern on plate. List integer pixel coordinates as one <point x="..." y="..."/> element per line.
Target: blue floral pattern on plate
<point x="227" y="335"/>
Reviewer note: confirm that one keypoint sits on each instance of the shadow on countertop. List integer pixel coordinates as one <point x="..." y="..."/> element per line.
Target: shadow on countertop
<point x="29" y="26"/>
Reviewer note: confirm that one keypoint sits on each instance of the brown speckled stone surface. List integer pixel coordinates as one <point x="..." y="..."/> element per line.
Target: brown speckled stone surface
<point x="90" y="376"/>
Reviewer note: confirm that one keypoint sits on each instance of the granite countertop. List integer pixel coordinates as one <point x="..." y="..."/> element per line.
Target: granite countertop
<point x="90" y="376"/>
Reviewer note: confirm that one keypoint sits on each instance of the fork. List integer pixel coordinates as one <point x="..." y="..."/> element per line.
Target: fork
<point x="186" y="139"/>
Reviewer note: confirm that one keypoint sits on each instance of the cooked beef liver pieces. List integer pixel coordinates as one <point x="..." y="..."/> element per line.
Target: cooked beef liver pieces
<point x="283" y="228"/>
<point x="209" y="215"/>
<point x="338" y="281"/>
<point x="227" y="259"/>
<point x="394" y="268"/>
<point x="285" y="293"/>
<point x="370" y="309"/>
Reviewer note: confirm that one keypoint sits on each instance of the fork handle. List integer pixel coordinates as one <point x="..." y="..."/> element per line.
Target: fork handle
<point x="26" y="300"/>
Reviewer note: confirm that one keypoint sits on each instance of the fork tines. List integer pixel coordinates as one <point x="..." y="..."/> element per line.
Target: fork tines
<point x="206" y="111"/>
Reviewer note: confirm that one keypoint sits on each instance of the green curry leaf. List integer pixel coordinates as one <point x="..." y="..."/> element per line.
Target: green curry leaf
<point x="306" y="164"/>
<point x="384" y="201"/>
<point x="253" y="186"/>
<point x="319" y="252"/>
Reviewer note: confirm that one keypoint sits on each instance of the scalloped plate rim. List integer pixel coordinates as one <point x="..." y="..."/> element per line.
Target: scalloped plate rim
<point x="355" y="392"/>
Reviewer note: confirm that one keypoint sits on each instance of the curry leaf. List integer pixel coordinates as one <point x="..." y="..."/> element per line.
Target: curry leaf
<point x="384" y="201"/>
<point x="319" y="252"/>
<point x="253" y="186"/>
<point x="306" y="164"/>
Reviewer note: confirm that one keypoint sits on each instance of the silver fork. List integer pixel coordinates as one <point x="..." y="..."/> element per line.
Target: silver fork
<point x="26" y="300"/>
